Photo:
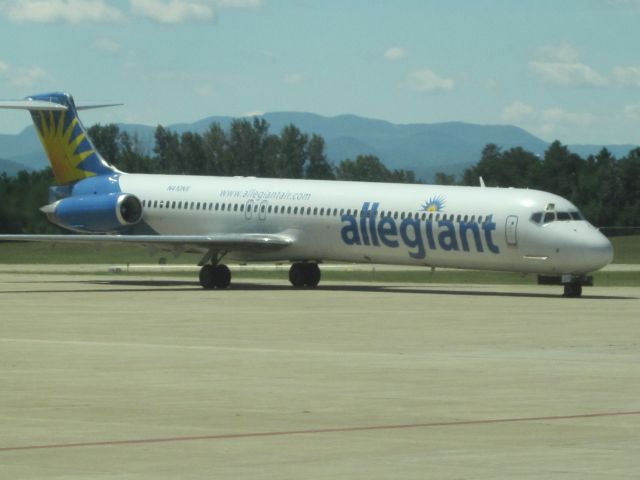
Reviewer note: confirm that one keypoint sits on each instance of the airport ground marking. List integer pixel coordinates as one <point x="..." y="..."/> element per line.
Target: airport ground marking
<point x="317" y="431"/>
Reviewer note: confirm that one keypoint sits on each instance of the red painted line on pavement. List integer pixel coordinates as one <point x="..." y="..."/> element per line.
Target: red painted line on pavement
<point x="317" y="431"/>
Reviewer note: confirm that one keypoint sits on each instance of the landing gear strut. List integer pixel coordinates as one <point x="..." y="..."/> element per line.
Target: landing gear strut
<point x="304" y="275"/>
<point x="215" y="276"/>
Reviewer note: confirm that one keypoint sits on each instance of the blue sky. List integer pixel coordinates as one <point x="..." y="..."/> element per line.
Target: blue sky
<point x="568" y="70"/>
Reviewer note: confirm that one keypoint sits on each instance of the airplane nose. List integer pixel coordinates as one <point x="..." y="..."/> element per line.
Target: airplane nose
<point x="599" y="250"/>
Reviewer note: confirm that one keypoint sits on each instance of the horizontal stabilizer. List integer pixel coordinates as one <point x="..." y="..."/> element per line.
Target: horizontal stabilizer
<point x="32" y="105"/>
<point x="102" y="105"/>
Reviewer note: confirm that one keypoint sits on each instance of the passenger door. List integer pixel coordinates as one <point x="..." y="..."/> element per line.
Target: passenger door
<point x="511" y="229"/>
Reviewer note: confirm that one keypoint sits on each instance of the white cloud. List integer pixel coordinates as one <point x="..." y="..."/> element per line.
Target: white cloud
<point x="255" y="113"/>
<point x="21" y="77"/>
<point x="562" y="53"/>
<point x="174" y="11"/>
<point x="629" y="76"/>
<point x="238" y="3"/>
<point x="427" y="81"/>
<point x="60" y="11"/>
<point x="205" y="91"/>
<point x="100" y="11"/>
<point x="632" y="112"/>
<point x="395" y="53"/>
<point x="553" y="122"/>
<point x="560" y="65"/>
<point x="293" y="78"/>
<point x="107" y="45"/>
<point x="559" y="116"/>
<point x="180" y="11"/>
<point x="517" y="111"/>
<point x="568" y="74"/>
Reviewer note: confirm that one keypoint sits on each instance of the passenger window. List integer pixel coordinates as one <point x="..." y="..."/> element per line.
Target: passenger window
<point x="295" y="210"/>
<point x="479" y="218"/>
<point x="221" y="207"/>
<point x="217" y="206"/>
<point x="564" y="216"/>
<point x="335" y="212"/>
<point x="549" y="217"/>
<point x="341" y="211"/>
<point x="315" y="211"/>
<point x="536" y="217"/>
<point x="395" y="215"/>
<point x="289" y="209"/>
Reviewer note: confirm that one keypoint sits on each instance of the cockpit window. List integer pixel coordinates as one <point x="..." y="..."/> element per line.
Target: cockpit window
<point x="564" y="216"/>
<point x="576" y="215"/>
<point x="536" y="217"/>
<point x="549" y="217"/>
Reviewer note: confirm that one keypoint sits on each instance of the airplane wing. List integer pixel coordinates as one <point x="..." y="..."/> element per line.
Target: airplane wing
<point x="211" y="243"/>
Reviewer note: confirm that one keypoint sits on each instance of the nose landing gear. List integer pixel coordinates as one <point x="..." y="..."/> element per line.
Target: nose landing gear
<point x="572" y="290"/>
<point x="572" y="283"/>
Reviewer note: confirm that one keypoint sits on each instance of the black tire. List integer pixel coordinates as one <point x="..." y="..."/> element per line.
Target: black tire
<point x="312" y="275"/>
<point x="207" y="277"/>
<point x="572" y="290"/>
<point x="297" y="275"/>
<point x="222" y="276"/>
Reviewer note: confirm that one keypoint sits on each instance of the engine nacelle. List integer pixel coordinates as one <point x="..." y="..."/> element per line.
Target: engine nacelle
<point x="101" y="213"/>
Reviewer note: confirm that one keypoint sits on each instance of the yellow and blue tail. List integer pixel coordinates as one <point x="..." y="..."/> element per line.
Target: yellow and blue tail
<point x="72" y="155"/>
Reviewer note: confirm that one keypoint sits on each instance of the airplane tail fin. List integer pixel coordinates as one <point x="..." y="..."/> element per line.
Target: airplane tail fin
<point x="70" y="151"/>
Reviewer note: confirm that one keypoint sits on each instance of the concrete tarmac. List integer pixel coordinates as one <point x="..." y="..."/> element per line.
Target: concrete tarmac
<point x="152" y="378"/>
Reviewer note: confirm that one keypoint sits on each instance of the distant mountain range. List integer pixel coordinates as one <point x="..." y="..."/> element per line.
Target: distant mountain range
<point x="424" y="148"/>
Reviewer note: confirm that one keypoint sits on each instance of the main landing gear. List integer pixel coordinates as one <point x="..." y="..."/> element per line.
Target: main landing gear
<point x="215" y="276"/>
<point x="301" y="275"/>
<point x="304" y="275"/>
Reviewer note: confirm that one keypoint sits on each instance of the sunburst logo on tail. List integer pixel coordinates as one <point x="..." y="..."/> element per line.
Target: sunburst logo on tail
<point x="434" y="204"/>
<point x="66" y="144"/>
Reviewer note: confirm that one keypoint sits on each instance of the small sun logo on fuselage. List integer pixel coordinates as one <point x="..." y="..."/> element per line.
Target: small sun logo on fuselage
<point x="434" y="204"/>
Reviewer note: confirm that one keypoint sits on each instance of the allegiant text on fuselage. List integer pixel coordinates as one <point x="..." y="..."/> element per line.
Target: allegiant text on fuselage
<point x="416" y="234"/>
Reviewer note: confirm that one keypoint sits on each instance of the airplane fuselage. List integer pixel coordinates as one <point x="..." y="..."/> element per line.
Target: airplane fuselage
<point x="426" y="225"/>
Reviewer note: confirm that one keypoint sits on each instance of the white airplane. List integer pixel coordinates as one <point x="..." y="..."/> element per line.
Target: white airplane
<point x="306" y="222"/>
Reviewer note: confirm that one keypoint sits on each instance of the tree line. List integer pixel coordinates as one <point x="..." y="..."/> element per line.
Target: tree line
<point x="605" y="188"/>
<point x="247" y="148"/>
